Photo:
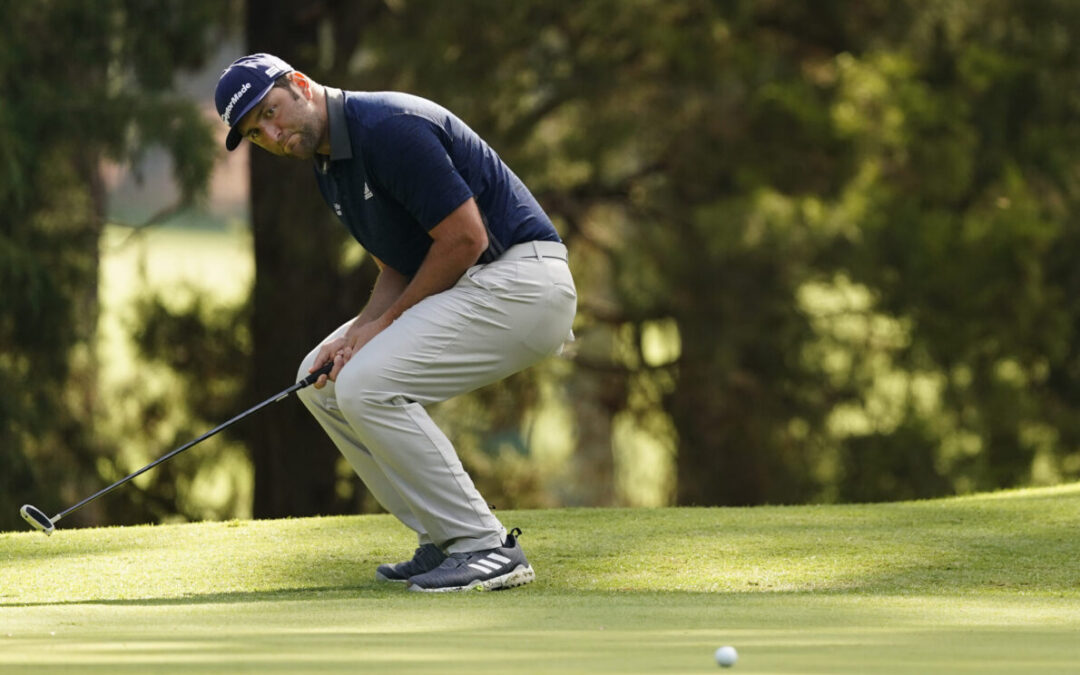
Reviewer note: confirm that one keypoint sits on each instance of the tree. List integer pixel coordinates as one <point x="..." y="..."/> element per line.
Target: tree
<point x="962" y="128"/>
<point x="80" y="83"/>
<point x="734" y="167"/>
<point x="823" y="251"/>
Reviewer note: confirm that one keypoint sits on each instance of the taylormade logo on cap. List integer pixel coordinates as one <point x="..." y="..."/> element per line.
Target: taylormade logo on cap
<point x="232" y="102"/>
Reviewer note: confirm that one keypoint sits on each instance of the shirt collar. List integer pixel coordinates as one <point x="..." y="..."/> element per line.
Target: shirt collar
<point x="340" y="145"/>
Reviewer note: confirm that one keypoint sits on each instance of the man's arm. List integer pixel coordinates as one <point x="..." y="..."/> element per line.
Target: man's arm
<point x="457" y="243"/>
<point x="389" y="285"/>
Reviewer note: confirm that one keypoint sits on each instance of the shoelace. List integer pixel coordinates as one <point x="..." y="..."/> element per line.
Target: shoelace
<point x="462" y="558"/>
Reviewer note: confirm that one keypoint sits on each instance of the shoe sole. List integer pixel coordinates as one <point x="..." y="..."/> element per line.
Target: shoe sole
<point x="519" y="576"/>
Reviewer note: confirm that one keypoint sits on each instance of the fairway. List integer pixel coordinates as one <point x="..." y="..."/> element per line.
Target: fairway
<point x="983" y="584"/>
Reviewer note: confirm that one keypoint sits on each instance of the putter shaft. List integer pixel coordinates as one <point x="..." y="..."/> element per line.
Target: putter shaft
<point x="307" y="381"/>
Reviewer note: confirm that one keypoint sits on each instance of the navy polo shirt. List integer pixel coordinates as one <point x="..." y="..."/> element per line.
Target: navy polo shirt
<point x="400" y="164"/>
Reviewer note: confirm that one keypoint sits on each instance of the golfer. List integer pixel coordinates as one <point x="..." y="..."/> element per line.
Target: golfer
<point x="473" y="286"/>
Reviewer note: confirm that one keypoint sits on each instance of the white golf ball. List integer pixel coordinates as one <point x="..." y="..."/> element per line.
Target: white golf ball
<point x="726" y="657"/>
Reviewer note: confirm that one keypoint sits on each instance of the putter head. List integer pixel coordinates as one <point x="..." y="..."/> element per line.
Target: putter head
<point x="37" y="518"/>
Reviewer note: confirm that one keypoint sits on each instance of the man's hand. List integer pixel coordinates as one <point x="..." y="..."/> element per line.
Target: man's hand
<point x="340" y="350"/>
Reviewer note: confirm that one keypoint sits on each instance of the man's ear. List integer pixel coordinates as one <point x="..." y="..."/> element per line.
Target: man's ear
<point x="301" y="82"/>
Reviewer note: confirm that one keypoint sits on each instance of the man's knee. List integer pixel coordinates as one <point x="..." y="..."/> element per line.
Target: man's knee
<point x="361" y="388"/>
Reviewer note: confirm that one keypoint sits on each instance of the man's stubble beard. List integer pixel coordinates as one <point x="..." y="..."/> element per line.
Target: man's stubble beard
<point x="304" y="148"/>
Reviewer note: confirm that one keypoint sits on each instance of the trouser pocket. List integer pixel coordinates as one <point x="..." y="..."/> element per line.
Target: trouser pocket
<point x="554" y="314"/>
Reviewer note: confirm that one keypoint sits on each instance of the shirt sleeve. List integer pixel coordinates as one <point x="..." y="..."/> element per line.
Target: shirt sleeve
<point x="408" y="157"/>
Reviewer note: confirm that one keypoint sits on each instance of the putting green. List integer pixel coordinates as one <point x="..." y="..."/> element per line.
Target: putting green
<point x="981" y="584"/>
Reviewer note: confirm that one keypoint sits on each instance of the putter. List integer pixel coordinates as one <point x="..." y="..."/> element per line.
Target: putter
<point x="39" y="521"/>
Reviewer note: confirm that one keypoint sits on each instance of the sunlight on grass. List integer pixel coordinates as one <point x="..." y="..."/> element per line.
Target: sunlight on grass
<point x="985" y="583"/>
<point x="977" y="545"/>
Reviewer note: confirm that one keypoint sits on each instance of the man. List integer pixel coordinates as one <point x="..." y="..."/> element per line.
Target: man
<point x="473" y="286"/>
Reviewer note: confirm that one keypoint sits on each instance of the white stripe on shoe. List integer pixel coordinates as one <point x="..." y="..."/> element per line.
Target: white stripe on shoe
<point x="501" y="558"/>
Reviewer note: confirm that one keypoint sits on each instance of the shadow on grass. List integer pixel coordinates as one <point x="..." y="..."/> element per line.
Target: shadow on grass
<point x="243" y="597"/>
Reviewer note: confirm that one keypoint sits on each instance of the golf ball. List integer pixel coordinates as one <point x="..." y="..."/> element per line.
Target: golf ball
<point x="726" y="657"/>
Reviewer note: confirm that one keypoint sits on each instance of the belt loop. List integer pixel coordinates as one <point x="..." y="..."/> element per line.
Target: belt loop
<point x="536" y="249"/>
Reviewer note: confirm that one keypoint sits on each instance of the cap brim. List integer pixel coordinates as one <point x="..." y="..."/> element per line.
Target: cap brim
<point x="233" y="139"/>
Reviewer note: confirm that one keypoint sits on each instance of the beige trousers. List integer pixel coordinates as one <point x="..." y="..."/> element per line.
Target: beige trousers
<point x="499" y="318"/>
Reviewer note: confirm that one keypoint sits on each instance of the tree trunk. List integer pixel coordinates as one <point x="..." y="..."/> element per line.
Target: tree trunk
<point x="720" y="459"/>
<point x="298" y="295"/>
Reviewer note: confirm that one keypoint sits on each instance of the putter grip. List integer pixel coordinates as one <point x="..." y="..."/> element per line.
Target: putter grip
<point x="325" y="370"/>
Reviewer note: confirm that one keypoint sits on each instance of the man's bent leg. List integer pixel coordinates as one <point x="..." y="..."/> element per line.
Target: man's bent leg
<point x="499" y="319"/>
<point x="323" y="406"/>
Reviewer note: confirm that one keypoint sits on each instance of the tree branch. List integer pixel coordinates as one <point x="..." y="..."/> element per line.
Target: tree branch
<point x="157" y="218"/>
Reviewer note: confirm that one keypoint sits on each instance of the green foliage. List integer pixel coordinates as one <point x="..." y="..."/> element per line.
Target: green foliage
<point x="709" y="163"/>
<point x="203" y="347"/>
<point x="203" y="342"/>
<point x="972" y="199"/>
<point x="853" y="220"/>
<point x="79" y="82"/>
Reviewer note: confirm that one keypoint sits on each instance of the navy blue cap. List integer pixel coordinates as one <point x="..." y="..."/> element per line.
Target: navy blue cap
<point x="242" y="85"/>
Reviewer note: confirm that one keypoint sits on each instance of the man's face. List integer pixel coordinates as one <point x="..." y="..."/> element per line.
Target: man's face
<point x="284" y="123"/>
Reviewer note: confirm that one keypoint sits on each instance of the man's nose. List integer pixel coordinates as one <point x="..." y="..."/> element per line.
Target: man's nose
<point x="271" y="131"/>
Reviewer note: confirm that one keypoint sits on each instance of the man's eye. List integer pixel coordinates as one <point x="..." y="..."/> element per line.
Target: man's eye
<point x="269" y="112"/>
<point x="254" y="133"/>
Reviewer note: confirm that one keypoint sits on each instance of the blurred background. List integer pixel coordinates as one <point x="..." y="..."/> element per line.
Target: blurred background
<point x="823" y="249"/>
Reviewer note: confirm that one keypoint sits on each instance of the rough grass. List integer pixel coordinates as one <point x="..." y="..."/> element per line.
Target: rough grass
<point x="989" y="583"/>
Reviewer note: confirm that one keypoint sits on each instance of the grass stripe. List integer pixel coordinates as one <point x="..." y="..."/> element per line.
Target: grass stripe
<point x="984" y="584"/>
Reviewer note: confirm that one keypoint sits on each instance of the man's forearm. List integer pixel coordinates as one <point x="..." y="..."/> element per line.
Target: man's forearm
<point x="394" y="292"/>
<point x="442" y="267"/>
<point x="389" y="286"/>
<point x="457" y="243"/>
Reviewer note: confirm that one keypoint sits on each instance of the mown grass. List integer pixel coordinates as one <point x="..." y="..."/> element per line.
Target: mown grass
<point x="989" y="583"/>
